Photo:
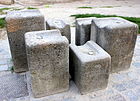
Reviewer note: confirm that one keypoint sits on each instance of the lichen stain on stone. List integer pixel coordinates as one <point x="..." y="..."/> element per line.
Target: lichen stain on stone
<point x="14" y="26"/>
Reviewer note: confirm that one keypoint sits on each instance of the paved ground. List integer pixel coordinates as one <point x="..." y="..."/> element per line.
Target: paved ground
<point x="123" y="86"/>
<point x="12" y="85"/>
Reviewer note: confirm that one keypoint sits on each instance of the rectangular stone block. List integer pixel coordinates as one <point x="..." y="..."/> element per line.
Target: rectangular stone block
<point x="83" y="26"/>
<point x="48" y="61"/>
<point x="117" y="36"/>
<point x="18" y="23"/>
<point x="89" y="67"/>
<point x="61" y="25"/>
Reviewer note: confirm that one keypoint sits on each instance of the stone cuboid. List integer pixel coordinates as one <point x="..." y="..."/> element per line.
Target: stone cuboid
<point x="90" y="66"/>
<point x="61" y="25"/>
<point x="48" y="61"/>
<point x="117" y="36"/>
<point x="83" y="29"/>
<point x="18" y="23"/>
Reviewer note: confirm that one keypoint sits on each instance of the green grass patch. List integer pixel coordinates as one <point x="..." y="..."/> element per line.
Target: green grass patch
<point x="106" y="7"/>
<point x="2" y="22"/>
<point x="11" y="69"/>
<point x="109" y="6"/>
<point x="132" y="19"/>
<point x="16" y="9"/>
<point x="2" y="9"/>
<point x="31" y="8"/>
<point x="86" y="7"/>
<point x="47" y="6"/>
<point x="9" y="9"/>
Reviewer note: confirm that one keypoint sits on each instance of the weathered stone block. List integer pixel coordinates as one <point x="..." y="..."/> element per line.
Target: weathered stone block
<point x="6" y="2"/>
<point x="90" y="66"/>
<point x="117" y="36"/>
<point x="61" y="25"/>
<point x="83" y="27"/>
<point x="18" y="23"/>
<point x="48" y="61"/>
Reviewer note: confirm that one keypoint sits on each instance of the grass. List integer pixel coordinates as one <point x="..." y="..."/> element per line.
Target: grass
<point x="47" y="6"/>
<point x="107" y="6"/>
<point x="11" y="69"/>
<point x="9" y="9"/>
<point x="31" y="8"/>
<point x="2" y="9"/>
<point x="98" y="7"/>
<point x="17" y="9"/>
<point x="2" y="22"/>
<point x="86" y="7"/>
<point x="132" y="19"/>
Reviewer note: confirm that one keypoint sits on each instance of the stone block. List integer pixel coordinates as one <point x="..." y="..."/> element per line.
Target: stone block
<point x="6" y="2"/>
<point x="60" y="24"/>
<point x="48" y="61"/>
<point x="18" y="23"/>
<point x="83" y="26"/>
<point x="89" y="67"/>
<point x="117" y="36"/>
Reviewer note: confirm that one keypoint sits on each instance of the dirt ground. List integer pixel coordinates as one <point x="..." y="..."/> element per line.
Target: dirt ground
<point x="65" y="10"/>
<point x="117" y="7"/>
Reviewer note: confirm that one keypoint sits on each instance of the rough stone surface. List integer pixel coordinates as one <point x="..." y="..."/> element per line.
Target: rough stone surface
<point x="91" y="66"/>
<point x="48" y="61"/>
<point x="83" y="26"/>
<point x="6" y="2"/>
<point x="12" y="86"/>
<point x="117" y="36"/>
<point x="61" y="25"/>
<point x="18" y="23"/>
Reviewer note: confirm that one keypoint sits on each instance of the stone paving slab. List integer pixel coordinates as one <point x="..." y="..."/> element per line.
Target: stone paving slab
<point x="12" y="85"/>
<point x="130" y="93"/>
<point x="3" y="67"/>
<point x="5" y="55"/>
<point x="4" y="49"/>
<point x="123" y="90"/>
